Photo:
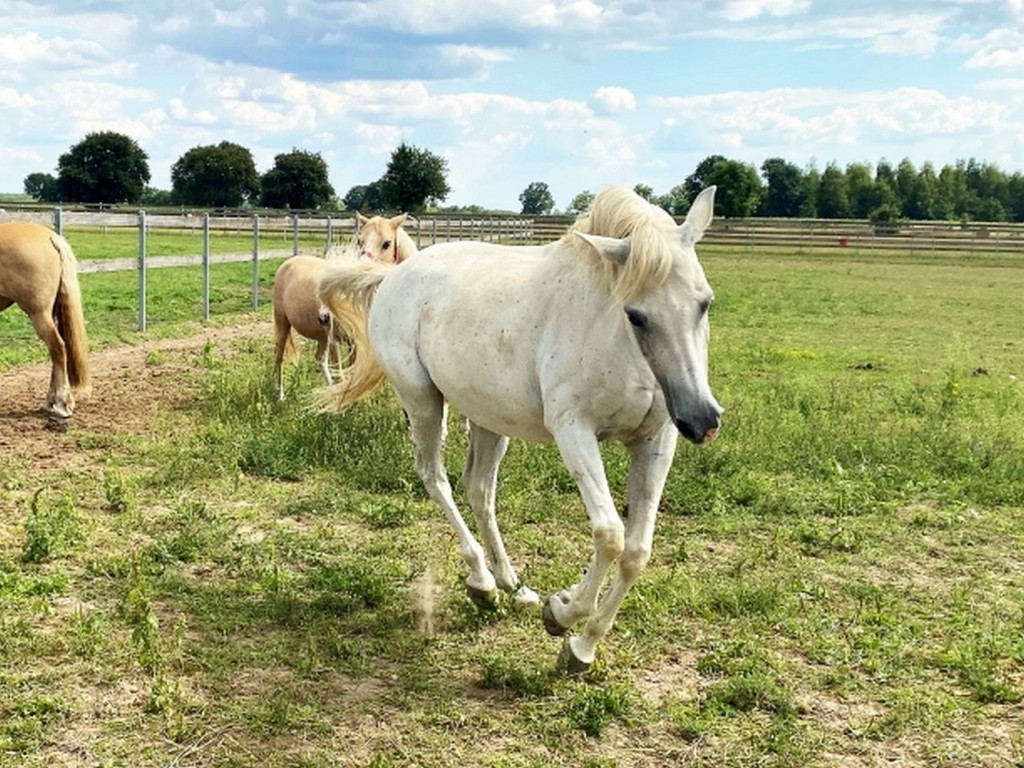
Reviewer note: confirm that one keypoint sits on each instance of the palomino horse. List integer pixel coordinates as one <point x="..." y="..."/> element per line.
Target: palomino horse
<point x="38" y="273"/>
<point x="600" y="335"/>
<point x="296" y="305"/>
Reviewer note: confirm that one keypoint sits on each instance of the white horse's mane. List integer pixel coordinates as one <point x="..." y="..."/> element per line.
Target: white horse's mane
<point x="654" y="238"/>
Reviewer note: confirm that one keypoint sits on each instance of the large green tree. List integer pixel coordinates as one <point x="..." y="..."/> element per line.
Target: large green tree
<point x="413" y="178"/>
<point x="677" y="200"/>
<point x="104" y="167"/>
<point x="786" y="188"/>
<point x="739" y="188"/>
<point x="215" y="176"/>
<point x="536" y="198"/>
<point x="297" y="181"/>
<point x="698" y="180"/>
<point x="42" y="187"/>
<point x="833" y="197"/>
<point x="365" y="198"/>
<point x="581" y="202"/>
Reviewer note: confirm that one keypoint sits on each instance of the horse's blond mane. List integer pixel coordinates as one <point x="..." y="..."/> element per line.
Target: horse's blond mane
<point x="620" y="212"/>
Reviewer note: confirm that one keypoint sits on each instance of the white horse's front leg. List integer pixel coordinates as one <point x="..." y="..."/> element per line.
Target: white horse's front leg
<point x="582" y="457"/>
<point x="650" y="462"/>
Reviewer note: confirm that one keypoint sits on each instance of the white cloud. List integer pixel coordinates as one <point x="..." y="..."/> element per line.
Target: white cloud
<point x="741" y="10"/>
<point x="12" y="99"/>
<point x="30" y="48"/>
<point x="913" y="41"/>
<point x="248" y="15"/>
<point x="998" y="59"/>
<point x="611" y="100"/>
<point x="608" y="155"/>
<point x="808" y="115"/>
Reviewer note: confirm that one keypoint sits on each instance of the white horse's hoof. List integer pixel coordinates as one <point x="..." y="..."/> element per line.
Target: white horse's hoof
<point x="486" y="600"/>
<point x="550" y="622"/>
<point x="573" y="665"/>
<point x="526" y="596"/>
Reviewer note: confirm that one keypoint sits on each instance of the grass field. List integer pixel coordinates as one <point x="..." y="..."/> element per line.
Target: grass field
<point x="838" y="580"/>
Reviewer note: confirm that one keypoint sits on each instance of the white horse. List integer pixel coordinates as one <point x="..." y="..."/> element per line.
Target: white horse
<point x="600" y="335"/>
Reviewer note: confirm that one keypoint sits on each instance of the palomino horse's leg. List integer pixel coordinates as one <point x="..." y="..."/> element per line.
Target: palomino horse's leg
<point x="480" y="478"/>
<point x="281" y="331"/>
<point x="323" y="357"/>
<point x="650" y="461"/>
<point x="59" y="400"/>
<point x="582" y="457"/>
<point x="425" y="408"/>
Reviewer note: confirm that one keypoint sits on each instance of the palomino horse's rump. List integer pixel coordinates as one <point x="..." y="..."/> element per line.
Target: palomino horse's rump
<point x="38" y="272"/>
<point x="296" y="306"/>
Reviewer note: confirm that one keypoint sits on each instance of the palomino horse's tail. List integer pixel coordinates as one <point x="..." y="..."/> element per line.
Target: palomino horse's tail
<point x="70" y="320"/>
<point x="347" y="290"/>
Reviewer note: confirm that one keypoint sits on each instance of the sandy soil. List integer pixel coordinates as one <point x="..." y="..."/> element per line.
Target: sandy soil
<point x="127" y="393"/>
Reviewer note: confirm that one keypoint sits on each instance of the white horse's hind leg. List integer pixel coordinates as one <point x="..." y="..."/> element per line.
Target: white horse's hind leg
<point x="480" y="478"/>
<point x="650" y="461"/>
<point x="425" y="409"/>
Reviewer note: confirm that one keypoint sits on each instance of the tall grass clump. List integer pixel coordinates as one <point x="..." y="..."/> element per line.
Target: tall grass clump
<point x="249" y="430"/>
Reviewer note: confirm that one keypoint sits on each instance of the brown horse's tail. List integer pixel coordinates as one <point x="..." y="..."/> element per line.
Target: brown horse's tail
<point x="347" y="290"/>
<point x="70" y="319"/>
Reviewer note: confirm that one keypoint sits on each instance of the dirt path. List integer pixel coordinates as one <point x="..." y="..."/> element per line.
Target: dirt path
<point x="127" y="393"/>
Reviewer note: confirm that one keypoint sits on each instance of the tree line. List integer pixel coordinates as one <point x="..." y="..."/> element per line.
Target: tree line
<point x="109" y="167"/>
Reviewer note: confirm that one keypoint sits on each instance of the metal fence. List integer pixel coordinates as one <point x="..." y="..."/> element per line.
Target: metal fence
<point x="805" y="236"/>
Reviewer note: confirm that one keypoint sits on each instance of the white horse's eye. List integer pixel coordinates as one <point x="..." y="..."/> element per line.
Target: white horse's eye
<point x="704" y="306"/>
<point x="636" y="318"/>
<point x="385" y="245"/>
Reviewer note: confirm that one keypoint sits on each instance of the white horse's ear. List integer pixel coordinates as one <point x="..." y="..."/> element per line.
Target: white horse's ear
<point x="699" y="216"/>
<point x="360" y="220"/>
<point x="610" y="248"/>
<point x="397" y="221"/>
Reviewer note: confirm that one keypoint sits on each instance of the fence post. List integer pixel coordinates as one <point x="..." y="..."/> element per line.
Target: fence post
<point x="142" y="271"/>
<point x="206" y="267"/>
<point x="330" y="233"/>
<point x="58" y="221"/>
<point x="255" y="261"/>
<point x="295" y="234"/>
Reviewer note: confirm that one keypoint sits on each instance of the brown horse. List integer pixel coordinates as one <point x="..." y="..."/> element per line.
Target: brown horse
<point x="295" y="302"/>
<point x="38" y="272"/>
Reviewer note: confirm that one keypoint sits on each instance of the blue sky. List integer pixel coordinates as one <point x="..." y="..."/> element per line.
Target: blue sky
<point x="574" y="93"/>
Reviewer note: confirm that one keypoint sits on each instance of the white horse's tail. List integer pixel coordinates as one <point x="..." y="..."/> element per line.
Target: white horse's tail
<point x="70" y="319"/>
<point x="347" y="290"/>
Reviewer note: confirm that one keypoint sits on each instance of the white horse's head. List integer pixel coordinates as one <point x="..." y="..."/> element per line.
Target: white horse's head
<point x="669" y="320"/>
<point x="383" y="239"/>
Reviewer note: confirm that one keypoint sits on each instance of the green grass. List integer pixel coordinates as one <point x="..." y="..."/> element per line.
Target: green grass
<point x="836" y="581"/>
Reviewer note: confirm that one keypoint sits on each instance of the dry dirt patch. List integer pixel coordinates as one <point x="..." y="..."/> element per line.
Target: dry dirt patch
<point x="128" y="391"/>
